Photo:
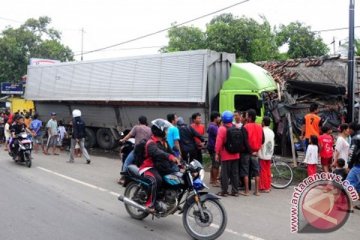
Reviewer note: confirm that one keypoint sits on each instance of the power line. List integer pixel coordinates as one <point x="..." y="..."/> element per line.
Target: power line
<point x="10" y="20"/>
<point x="124" y="49"/>
<point x="165" y="29"/>
<point x="334" y="29"/>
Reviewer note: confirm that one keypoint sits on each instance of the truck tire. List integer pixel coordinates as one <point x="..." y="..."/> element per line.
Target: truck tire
<point x="105" y="138"/>
<point x="90" y="139"/>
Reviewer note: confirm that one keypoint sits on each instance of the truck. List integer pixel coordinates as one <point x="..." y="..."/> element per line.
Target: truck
<point x="113" y="93"/>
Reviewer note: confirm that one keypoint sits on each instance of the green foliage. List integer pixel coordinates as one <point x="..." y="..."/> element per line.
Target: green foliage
<point x="301" y="40"/>
<point x="185" y="38"/>
<point x="357" y="47"/>
<point x="249" y="39"/>
<point x="32" y="39"/>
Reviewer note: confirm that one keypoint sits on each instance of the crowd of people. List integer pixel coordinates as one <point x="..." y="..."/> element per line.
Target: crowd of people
<point x="53" y="136"/>
<point x="341" y="156"/>
<point x="239" y="148"/>
<point x="235" y="143"/>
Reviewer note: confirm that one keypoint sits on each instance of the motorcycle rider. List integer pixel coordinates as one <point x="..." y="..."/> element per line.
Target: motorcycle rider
<point x="159" y="159"/>
<point x="16" y="128"/>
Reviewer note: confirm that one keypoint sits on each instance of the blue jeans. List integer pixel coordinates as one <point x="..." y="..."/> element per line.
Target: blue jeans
<point x="128" y="161"/>
<point x="354" y="177"/>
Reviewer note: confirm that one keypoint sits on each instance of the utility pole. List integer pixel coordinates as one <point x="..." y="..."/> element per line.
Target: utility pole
<point x="82" y="43"/>
<point x="350" y="109"/>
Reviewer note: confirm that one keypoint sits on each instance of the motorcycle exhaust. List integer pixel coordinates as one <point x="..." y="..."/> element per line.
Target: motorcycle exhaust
<point x="132" y="203"/>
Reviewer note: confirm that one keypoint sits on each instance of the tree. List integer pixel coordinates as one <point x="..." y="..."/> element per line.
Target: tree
<point x="184" y="38"/>
<point x="32" y="39"/>
<point x="301" y="40"/>
<point x="249" y="40"/>
<point x="357" y="47"/>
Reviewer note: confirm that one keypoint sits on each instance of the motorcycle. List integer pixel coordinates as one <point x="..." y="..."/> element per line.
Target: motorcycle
<point x="203" y="216"/>
<point x="24" y="149"/>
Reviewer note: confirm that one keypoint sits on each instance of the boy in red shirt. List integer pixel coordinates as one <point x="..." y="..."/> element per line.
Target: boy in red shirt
<point x="326" y="143"/>
<point x="199" y="128"/>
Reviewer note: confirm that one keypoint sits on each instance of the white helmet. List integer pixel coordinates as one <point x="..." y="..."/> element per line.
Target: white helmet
<point x="76" y="113"/>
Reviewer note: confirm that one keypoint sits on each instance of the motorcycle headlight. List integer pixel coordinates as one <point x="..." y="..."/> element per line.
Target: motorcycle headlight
<point x="23" y="135"/>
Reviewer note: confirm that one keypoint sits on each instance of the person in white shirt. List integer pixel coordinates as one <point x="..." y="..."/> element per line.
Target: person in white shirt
<point x="237" y="119"/>
<point x="265" y="154"/>
<point x="7" y="134"/>
<point x="342" y="146"/>
<point x="312" y="155"/>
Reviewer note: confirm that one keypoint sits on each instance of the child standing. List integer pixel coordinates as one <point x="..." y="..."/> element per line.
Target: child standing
<point x="62" y="134"/>
<point x="265" y="154"/>
<point x="312" y="155"/>
<point x="326" y="143"/>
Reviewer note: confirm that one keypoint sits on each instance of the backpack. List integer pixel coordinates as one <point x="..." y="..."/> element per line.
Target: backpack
<point x="80" y="127"/>
<point x="140" y="152"/>
<point x="234" y="140"/>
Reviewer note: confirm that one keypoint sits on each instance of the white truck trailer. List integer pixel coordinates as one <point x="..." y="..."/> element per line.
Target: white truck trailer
<point x="113" y="93"/>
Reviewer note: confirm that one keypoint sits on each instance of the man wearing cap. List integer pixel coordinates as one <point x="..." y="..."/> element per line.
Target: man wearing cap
<point x="52" y="130"/>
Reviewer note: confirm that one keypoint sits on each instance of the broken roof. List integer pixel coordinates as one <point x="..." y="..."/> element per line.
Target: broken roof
<point x="326" y="69"/>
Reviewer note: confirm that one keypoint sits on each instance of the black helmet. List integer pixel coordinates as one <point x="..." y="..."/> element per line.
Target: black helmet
<point x="159" y="127"/>
<point x="18" y="117"/>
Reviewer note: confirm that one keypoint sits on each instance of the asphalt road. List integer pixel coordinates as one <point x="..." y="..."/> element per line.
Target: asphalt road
<point x="58" y="200"/>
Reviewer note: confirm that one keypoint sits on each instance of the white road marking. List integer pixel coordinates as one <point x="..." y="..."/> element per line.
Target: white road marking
<point x="244" y="235"/>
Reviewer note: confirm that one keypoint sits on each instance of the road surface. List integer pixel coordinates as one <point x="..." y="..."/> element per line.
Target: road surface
<point x="57" y="200"/>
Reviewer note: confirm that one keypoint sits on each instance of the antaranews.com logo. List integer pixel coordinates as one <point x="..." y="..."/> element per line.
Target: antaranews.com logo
<point x="321" y="203"/>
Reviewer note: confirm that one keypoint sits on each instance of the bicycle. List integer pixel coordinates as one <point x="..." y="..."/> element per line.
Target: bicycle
<point x="281" y="174"/>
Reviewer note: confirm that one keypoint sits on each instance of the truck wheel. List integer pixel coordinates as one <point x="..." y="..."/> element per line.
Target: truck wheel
<point x="105" y="139"/>
<point x="90" y="138"/>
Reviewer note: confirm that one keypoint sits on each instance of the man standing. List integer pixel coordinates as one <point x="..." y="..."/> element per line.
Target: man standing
<point x="212" y="131"/>
<point x="78" y="136"/>
<point x="229" y="160"/>
<point x="35" y="127"/>
<point x="255" y="140"/>
<point x="265" y="154"/>
<point x="311" y="124"/>
<point x="237" y="119"/>
<point x="52" y="131"/>
<point x="188" y="145"/>
<point x="173" y="135"/>
<point x="200" y="129"/>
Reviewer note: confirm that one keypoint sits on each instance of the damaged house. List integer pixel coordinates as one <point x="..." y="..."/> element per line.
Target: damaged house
<point x="302" y="82"/>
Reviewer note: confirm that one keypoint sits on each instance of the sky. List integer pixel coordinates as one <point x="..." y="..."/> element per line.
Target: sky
<point x="109" y="22"/>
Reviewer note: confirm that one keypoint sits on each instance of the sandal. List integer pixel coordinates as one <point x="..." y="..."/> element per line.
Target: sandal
<point x="222" y="194"/>
<point x="216" y="184"/>
<point x="235" y="194"/>
<point x="244" y="194"/>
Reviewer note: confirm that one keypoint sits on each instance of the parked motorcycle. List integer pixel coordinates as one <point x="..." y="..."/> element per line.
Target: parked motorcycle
<point x="24" y="146"/>
<point x="204" y="217"/>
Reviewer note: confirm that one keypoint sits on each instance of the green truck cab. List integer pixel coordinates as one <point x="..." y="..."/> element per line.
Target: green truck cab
<point x="245" y="88"/>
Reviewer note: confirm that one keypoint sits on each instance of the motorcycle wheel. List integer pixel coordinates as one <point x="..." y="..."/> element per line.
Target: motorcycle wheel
<point x="28" y="160"/>
<point x="212" y="226"/>
<point x="130" y="192"/>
